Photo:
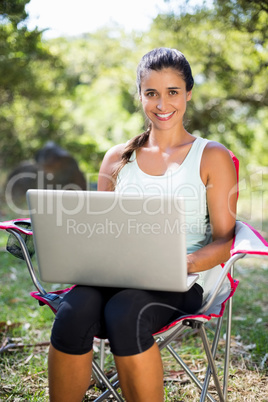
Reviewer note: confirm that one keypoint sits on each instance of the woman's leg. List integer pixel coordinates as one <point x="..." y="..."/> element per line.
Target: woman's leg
<point x="131" y="317"/>
<point x="141" y="376"/>
<point x="69" y="375"/>
<point x="78" y="320"/>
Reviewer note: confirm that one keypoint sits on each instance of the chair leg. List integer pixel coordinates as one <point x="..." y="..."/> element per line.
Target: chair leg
<point x="211" y="363"/>
<point x="188" y="372"/>
<point x="213" y="351"/>
<point x="110" y="385"/>
<point x="102" y="353"/>
<point x="227" y="348"/>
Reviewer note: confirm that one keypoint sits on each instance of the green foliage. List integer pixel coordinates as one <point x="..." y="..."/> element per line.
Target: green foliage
<point x="80" y="92"/>
<point x="102" y="106"/>
<point x="14" y="10"/>
<point x="245" y="15"/>
<point x="31" y="84"/>
<point x="229" y="63"/>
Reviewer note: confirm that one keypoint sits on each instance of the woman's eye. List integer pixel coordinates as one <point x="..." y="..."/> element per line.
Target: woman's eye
<point x="150" y="94"/>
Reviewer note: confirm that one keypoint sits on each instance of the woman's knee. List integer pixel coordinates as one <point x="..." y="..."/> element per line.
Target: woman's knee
<point x="128" y="330"/>
<point x="123" y="308"/>
<point x="76" y="321"/>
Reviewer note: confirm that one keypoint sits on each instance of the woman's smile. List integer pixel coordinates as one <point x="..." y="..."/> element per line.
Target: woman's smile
<point x="164" y="116"/>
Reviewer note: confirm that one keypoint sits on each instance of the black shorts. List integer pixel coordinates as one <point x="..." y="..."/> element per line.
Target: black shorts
<point x="127" y="317"/>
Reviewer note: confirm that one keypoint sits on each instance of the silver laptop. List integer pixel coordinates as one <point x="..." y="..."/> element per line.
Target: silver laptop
<point x="110" y="239"/>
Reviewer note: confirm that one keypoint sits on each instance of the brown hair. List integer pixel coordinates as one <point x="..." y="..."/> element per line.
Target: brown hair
<point x="156" y="59"/>
<point x="131" y="146"/>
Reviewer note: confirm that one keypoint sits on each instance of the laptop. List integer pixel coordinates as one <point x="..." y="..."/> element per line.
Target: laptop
<point x="110" y="239"/>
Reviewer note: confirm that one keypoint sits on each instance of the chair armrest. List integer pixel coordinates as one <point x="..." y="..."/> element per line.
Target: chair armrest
<point x="28" y="260"/>
<point x="15" y="224"/>
<point x="213" y="294"/>
<point x="247" y="241"/>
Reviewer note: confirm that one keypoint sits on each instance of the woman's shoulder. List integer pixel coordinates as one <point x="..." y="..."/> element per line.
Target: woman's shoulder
<point x="214" y="150"/>
<point x="108" y="167"/>
<point x="116" y="151"/>
<point x="216" y="158"/>
<point x="114" y="154"/>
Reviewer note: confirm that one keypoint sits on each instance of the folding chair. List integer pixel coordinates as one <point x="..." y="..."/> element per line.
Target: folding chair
<point x="247" y="242"/>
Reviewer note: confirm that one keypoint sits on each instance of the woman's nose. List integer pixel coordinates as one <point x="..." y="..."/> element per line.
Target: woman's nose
<point x="161" y="104"/>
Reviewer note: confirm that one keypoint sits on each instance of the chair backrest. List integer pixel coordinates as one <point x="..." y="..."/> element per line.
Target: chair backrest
<point x="236" y="163"/>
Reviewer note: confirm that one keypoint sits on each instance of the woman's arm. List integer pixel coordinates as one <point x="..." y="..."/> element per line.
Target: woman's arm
<point x="108" y="166"/>
<point x="219" y="175"/>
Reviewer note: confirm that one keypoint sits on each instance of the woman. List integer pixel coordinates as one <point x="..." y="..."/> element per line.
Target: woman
<point x="164" y="159"/>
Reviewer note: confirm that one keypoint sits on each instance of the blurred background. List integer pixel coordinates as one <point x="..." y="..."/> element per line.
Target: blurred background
<point x="68" y="93"/>
<point x="67" y="83"/>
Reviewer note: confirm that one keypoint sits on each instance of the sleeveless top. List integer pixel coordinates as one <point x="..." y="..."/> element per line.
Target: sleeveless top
<point x="183" y="181"/>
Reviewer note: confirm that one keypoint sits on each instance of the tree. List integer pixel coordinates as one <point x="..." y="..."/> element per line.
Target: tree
<point x="244" y="15"/>
<point x="229" y="61"/>
<point x="31" y="83"/>
<point x="103" y="105"/>
<point x="78" y="92"/>
<point x="13" y="10"/>
<point x="81" y="93"/>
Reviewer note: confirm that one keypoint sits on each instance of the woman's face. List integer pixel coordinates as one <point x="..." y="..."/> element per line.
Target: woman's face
<point x="164" y="97"/>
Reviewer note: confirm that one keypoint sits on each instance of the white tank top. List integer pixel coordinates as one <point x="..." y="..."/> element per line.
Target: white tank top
<point x="185" y="181"/>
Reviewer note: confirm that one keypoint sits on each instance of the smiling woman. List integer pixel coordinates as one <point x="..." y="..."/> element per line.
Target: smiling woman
<point x="164" y="97"/>
<point x="165" y="160"/>
<point x="164" y="82"/>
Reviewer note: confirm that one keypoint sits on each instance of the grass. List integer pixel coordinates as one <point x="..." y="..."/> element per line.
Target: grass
<point x="27" y="326"/>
